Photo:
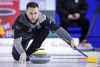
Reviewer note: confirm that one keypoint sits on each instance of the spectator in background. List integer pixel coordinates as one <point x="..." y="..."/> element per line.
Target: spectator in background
<point x="73" y="12"/>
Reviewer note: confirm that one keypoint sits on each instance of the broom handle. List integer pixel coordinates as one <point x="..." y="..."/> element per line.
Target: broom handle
<point x="76" y="48"/>
<point x="81" y="52"/>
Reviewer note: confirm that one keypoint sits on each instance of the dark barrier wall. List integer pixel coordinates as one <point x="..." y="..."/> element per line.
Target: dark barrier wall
<point x="95" y="34"/>
<point x="93" y="5"/>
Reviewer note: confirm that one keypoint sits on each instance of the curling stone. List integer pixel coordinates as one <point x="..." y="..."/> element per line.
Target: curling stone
<point x="85" y="47"/>
<point x="40" y="57"/>
<point x="92" y="60"/>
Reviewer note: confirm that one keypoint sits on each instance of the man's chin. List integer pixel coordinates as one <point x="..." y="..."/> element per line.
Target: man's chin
<point x="33" y="21"/>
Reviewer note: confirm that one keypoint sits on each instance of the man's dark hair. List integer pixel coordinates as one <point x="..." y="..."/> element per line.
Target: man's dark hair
<point x="32" y="4"/>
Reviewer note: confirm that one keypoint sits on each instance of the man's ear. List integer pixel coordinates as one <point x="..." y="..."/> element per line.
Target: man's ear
<point x="26" y="11"/>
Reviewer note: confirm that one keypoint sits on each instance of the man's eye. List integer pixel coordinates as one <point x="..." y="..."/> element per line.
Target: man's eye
<point x="35" y="13"/>
<point x="31" y="13"/>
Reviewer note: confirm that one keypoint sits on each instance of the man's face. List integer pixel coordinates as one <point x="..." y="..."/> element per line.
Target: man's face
<point x="32" y="14"/>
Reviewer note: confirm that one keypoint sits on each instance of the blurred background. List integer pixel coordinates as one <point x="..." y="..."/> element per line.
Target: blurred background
<point x="10" y="9"/>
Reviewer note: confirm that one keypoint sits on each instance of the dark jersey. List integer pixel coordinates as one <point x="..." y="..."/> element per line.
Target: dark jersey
<point x="25" y="29"/>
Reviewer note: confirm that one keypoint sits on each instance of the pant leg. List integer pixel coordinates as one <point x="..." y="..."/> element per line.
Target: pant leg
<point x="15" y="54"/>
<point x="39" y="37"/>
<point x="84" y="23"/>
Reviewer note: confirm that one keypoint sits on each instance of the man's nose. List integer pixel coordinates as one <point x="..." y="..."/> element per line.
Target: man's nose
<point x="33" y="17"/>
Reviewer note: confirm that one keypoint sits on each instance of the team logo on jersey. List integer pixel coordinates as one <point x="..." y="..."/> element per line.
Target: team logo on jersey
<point x="30" y="30"/>
<point x="76" y="1"/>
<point x="18" y="27"/>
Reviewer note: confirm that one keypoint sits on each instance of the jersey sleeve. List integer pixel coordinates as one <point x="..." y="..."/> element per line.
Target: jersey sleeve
<point x="17" y="28"/>
<point x="51" y="25"/>
<point x="62" y="33"/>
